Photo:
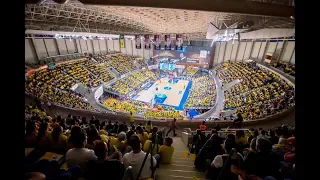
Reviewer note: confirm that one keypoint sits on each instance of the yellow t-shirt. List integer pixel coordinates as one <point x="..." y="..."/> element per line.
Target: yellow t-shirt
<point x="131" y="120"/>
<point x="143" y="137"/>
<point x="148" y="127"/>
<point x="146" y="147"/>
<point x="166" y="153"/>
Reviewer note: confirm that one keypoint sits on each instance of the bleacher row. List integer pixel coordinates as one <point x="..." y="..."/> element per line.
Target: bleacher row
<point x="258" y="94"/>
<point x="72" y="147"/>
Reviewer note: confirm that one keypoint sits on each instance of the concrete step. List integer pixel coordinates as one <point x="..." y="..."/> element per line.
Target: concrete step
<point x="170" y="177"/>
<point x="178" y="167"/>
<point x="182" y="173"/>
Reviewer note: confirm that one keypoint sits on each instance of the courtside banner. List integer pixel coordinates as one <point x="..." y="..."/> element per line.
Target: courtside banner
<point x="121" y="41"/>
<point x="147" y="42"/>
<point x="138" y="42"/>
<point x="179" y="42"/>
<point x="157" y="42"/>
<point x="168" y="42"/>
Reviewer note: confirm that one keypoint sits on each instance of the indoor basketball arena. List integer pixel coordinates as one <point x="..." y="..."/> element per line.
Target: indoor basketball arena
<point x="160" y="90"/>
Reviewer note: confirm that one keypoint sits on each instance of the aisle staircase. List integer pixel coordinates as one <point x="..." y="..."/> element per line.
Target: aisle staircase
<point x="182" y="165"/>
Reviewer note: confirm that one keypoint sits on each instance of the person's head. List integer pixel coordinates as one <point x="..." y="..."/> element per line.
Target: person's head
<point x="69" y="116"/>
<point x="93" y="135"/>
<point x="198" y="131"/>
<point x="134" y="142"/>
<point x="101" y="150"/>
<point x="168" y="141"/>
<point x="122" y="136"/>
<point x="271" y="133"/>
<point x="149" y="122"/>
<point x="283" y="141"/>
<point x="255" y="133"/>
<point x="263" y="132"/>
<point x="228" y="145"/>
<point x="59" y="118"/>
<point x="154" y="130"/>
<point x="239" y="133"/>
<point x="56" y="133"/>
<point x="79" y="141"/>
<point x="263" y="145"/>
<point x="76" y="130"/>
<point x="139" y="130"/>
<point x="174" y="119"/>
<point x="231" y="137"/>
<point x="203" y="122"/>
<point x="213" y="131"/>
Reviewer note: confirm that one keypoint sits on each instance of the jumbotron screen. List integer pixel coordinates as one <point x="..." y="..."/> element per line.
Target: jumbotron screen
<point x="167" y="66"/>
<point x="190" y="54"/>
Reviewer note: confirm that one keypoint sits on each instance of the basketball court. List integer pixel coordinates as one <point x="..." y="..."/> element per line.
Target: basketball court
<point x="167" y="93"/>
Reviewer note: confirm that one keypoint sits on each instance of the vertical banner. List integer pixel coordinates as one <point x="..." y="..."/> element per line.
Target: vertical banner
<point x="147" y="42"/>
<point x="168" y="42"/>
<point x="138" y="42"/>
<point x="157" y="42"/>
<point x="179" y="42"/>
<point x="121" y="41"/>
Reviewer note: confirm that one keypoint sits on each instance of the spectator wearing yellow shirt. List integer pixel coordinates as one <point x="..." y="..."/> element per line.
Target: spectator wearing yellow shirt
<point x="131" y="118"/>
<point x="142" y="135"/>
<point x="166" y="151"/>
<point x="149" y="126"/>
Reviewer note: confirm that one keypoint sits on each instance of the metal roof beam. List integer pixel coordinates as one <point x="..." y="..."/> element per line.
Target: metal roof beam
<point x="228" y="6"/>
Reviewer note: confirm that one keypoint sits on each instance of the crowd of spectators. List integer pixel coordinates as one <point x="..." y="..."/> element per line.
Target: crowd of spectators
<point x="285" y="67"/>
<point x="258" y="94"/>
<point x="54" y="86"/>
<point x="120" y="62"/>
<point x="202" y="92"/>
<point x="91" y="149"/>
<point x="132" y="82"/>
<point x="191" y="71"/>
<point x="259" y="154"/>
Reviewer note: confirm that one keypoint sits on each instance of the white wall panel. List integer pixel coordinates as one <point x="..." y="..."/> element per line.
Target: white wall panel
<point x="247" y="52"/>
<point x="227" y="54"/>
<point x="272" y="47"/>
<point x="83" y="45"/>
<point x="262" y="51"/>
<point x="242" y="47"/>
<point x="151" y="50"/>
<point x="128" y="44"/>
<point x="96" y="46"/>
<point x="147" y="53"/>
<point x="280" y="45"/>
<point x="255" y="50"/>
<point x="103" y="46"/>
<point x="40" y="48"/>
<point x="29" y="52"/>
<point x="116" y="45"/>
<point x="293" y="58"/>
<point x="234" y="50"/>
<point x="78" y="46"/>
<point x="51" y="46"/>
<point x="90" y="46"/>
<point x="110" y="45"/>
<point x="221" y="52"/>
<point x="135" y="51"/>
<point x="216" y="54"/>
<point x="62" y="46"/>
<point x="71" y="46"/>
<point x="287" y="52"/>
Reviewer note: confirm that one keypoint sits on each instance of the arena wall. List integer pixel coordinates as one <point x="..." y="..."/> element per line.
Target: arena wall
<point x="255" y="49"/>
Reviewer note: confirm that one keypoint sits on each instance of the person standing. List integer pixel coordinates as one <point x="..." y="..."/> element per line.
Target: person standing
<point x="173" y="127"/>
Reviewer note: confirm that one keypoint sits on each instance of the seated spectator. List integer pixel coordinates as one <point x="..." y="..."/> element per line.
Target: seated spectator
<point x="136" y="157"/>
<point x="31" y="134"/>
<point x="198" y="140"/>
<point x="93" y="136"/>
<point x="203" y="126"/>
<point x="273" y="138"/>
<point x="79" y="155"/>
<point x="143" y="136"/>
<point x="119" y="141"/>
<point x="263" y="162"/>
<point x="224" y="162"/>
<point x="105" y="167"/>
<point x="43" y="131"/>
<point x="148" y="126"/>
<point x="127" y="148"/>
<point x="166" y="151"/>
<point x="282" y="147"/>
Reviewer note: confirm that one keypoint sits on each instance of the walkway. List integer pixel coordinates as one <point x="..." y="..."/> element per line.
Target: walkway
<point x="219" y="98"/>
<point x="182" y="166"/>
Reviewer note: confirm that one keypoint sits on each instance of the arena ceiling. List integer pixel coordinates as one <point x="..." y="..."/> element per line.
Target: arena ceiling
<point x="74" y="16"/>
